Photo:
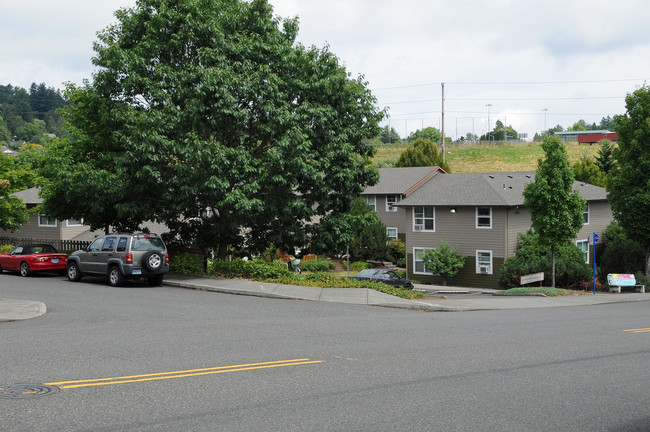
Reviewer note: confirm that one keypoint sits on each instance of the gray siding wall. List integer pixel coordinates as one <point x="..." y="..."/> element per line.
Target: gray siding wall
<point x="395" y="219"/>
<point x="58" y="232"/>
<point x="518" y="223"/>
<point x="600" y="216"/>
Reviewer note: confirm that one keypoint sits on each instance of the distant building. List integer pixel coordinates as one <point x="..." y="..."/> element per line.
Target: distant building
<point x="587" y="137"/>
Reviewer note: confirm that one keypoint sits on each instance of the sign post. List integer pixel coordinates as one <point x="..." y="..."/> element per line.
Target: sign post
<point x="592" y="241"/>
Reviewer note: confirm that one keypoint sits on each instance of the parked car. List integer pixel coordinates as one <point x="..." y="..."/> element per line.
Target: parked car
<point x="386" y="276"/>
<point x="30" y="258"/>
<point x="121" y="256"/>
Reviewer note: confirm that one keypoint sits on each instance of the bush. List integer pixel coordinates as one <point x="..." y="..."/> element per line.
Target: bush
<point x="397" y="249"/>
<point x="620" y="254"/>
<point x="401" y="263"/>
<point x="253" y="269"/>
<point x="360" y="265"/>
<point x="570" y="267"/>
<point x="5" y="249"/>
<point x="317" y="265"/>
<point x="187" y="263"/>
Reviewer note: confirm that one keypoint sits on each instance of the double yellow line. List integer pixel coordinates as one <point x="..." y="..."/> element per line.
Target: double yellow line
<point x="642" y="330"/>
<point x="181" y="374"/>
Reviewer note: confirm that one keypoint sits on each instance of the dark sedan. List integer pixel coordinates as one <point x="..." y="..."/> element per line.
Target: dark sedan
<point x="31" y="258"/>
<point x="385" y="276"/>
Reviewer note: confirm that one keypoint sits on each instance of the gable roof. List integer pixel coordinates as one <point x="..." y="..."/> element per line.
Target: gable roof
<point x="29" y="196"/>
<point x="402" y="181"/>
<point x="486" y="189"/>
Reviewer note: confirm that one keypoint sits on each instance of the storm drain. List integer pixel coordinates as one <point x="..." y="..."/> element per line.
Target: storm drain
<point x="26" y="391"/>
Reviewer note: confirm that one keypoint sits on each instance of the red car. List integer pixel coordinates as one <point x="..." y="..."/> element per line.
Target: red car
<point x="30" y="258"/>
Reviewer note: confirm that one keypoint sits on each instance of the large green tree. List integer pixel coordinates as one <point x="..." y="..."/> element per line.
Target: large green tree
<point x="555" y="208"/>
<point x="422" y="152"/>
<point x="629" y="185"/>
<point x="209" y="116"/>
<point x="14" y="176"/>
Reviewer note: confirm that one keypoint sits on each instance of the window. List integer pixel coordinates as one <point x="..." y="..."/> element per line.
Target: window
<point x="583" y="245"/>
<point x="108" y="244"/>
<point x="121" y="244"/>
<point x="391" y="200"/>
<point x="391" y="233"/>
<point x="585" y="215"/>
<point x="74" y="222"/>
<point x="371" y="200"/>
<point x="484" y="261"/>
<point x="95" y="245"/>
<point x="484" y="217"/>
<point x="418" y="264"/>
<point x="43" y="221"/>
<point x="424" y="219"/>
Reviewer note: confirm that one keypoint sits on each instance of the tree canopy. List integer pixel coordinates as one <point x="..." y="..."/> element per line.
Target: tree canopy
<point x="429" y="133"/>
<point x="555" y="208"/>
<point x="208" y="116"/>
<point x="629" y="185"/>
<point x="422" y="152"/>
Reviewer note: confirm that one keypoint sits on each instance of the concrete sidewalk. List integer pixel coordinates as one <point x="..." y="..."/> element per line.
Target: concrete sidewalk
<point x="437" y="298"/>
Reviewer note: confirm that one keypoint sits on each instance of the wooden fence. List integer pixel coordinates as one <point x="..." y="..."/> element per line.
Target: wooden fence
<point x="60" y="245"/>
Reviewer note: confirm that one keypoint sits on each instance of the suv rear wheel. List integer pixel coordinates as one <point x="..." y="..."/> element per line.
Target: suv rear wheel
<point x="74" y="274"/>
<point x="115" y="277"/>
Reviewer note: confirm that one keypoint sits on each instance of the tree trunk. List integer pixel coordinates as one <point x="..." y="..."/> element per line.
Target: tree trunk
<point x="222" y="253"/>
<point x="553" y="266"/>
<point x="647" y="263"/>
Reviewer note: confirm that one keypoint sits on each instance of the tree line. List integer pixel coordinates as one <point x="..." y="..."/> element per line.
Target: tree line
<point x="26" y="115"/>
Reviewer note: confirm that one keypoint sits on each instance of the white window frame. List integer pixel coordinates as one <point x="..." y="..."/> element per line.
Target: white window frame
<point x="424" y="219"/>
<point x="483" y="216"/>
<point x="585" y="241"/>
<point x="371" y="200"/>
<point x="585" y="215"/>
<point x="74" y="222"/>
<point x="388" y="230"/>
<point x="482" y="264"/>
<point x="48" y="223"/>
<point x="420" y="250"/>
<point x="390" y="205"/>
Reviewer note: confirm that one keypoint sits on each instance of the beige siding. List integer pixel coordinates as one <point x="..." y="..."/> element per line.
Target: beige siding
<point x="518" y="223"/>
<point x="600" y="216"/>
<point x="395" y="219"/>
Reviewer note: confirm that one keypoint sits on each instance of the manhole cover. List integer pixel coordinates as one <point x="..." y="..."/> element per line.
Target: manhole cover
<point x="26" y="391"/>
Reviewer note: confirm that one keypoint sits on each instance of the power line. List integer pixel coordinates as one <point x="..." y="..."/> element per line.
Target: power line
<point x="513" y="83"/>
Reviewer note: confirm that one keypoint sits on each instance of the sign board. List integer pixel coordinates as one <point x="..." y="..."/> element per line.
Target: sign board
<point x="535" y="277"/>
<point x="616" y="279"/>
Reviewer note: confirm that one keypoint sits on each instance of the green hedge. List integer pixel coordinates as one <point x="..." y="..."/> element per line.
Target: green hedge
<point x="317" y="265"/>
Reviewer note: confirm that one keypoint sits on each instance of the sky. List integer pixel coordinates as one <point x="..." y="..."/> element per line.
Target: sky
<point x="531" y="65"/>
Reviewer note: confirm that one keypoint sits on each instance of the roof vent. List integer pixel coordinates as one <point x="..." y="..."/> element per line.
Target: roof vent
<point x="527" y="175"/>
<point x="509" y="176"/>
<point x="491" y="176"/>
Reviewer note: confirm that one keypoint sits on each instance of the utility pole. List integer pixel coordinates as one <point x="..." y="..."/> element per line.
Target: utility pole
<point x="443" y="122"/>
<point x="488" y="126"/>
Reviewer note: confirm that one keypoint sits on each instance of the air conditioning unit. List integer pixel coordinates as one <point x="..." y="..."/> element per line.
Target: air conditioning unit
<point x="483" y="269"/>
<point x="418" y="227"/>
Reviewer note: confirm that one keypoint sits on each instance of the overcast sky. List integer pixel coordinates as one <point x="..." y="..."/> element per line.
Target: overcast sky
<point x="531" y="65"/>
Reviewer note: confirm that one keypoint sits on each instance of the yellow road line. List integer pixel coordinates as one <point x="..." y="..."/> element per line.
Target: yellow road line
<point x="180" y="374"/>
<point x="641" y="330"/>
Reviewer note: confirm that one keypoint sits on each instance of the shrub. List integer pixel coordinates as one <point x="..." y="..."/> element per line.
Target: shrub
<point x="401" y="263"/>
<point x="620" y="254"/>
<point x="5" y="249"/>
<point x="570" y="267"/>
<point x="360" y="265"/>
<point x="187" y="263"/>
<point x="317" y="265"/>
<point x="444" y="261"/>
<point x="253" y="269"/>
<point x="397" y="249"/>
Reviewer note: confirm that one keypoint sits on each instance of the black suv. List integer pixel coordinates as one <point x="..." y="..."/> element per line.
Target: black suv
<point x="121" y="256"/>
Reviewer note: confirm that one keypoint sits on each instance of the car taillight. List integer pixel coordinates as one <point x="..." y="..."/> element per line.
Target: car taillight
<point x="129" y="258"/>
<point x="167" y="258"/>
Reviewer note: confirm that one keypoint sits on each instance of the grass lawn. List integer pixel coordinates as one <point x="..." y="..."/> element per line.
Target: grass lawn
<point x="484" y="157"/>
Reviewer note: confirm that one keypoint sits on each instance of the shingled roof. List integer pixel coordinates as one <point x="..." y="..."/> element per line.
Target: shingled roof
<point x="402" y="181"/>
<point x="485" y="189"/>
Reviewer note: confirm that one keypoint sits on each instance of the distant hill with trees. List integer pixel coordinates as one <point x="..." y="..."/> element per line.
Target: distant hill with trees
<point x="26" y="115"/>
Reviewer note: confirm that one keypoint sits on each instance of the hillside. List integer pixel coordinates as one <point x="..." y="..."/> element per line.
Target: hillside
<point x="486" y="157"/>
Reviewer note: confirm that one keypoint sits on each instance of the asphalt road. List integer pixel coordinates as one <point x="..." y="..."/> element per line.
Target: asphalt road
<point x="160" y="359"/>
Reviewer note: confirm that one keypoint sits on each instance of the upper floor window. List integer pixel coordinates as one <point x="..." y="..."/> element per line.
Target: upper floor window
<point x="391" y="200"/>
<point x="424" y="219"/>
<point x="585" y="215"/>
<point x="43" y="221"/>
<point x="484" y="217"/>
<point x="371" y="200"/>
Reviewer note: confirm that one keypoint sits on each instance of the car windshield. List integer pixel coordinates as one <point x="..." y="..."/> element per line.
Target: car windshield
<point x="368" y="273"/>
<point x="145" y="243"/>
